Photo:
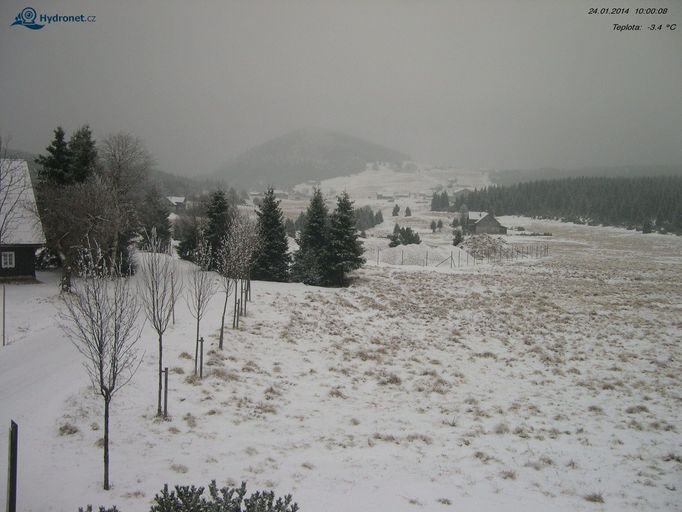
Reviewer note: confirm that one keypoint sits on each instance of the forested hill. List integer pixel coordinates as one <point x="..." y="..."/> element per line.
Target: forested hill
<point x="511" y="177"/>
<point x="644" y="203"/>
<point x="306" y="154"/>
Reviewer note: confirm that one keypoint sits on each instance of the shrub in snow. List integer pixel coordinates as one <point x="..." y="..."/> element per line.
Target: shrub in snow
<point x="227" y="499"/>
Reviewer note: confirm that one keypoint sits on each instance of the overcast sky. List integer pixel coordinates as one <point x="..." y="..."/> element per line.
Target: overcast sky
<point x="478" y="84"/>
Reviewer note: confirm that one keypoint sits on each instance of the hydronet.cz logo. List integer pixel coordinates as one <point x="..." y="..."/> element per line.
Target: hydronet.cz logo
<point x="29" y="18"/>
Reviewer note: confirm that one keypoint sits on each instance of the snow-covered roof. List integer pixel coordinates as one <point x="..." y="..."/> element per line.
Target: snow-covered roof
<point x="476" y="216"/>
<point x="19" y="221"/>
<point x="176" y="199"/>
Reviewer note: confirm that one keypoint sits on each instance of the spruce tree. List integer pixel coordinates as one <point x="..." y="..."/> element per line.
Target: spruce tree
<point x="312" y="256"/>
<point x="378" y="218"/>
<point x="56" y="165"/>
<point x="439" y="225"/>
<point x="219" y="216"/>
<point x="83" y="154"/>
<point x="153" y="215"/>
<point x="271" y="262"/>
<point x="345" y="249"/>
<point x="396" y="211"/>
<point x="433" y="226"/>
<point x="408" y="212"/>
<point x="290" y="227"/>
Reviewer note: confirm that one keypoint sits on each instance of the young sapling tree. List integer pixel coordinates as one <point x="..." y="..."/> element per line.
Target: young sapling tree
<point x="100" y="317"/>
<point x="159" y="285"/>
<point x="200" y="286"/>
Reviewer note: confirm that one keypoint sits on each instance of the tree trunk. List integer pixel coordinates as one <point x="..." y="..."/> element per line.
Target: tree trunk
<point x="222" y="321"/>
<point x="196" y="347"/>
<point x="65" y="283"/>
<point x="106" y="443"/>
<point x="158" y="408"/>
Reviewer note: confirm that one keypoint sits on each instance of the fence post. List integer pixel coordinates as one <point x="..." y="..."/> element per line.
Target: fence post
<point x="173" y="298"/>
<point x="244" y="292"/>
<point x="402" y="257"/>
<point x="377" y="257"/>
<point x="427" y="259"/>
<point x="3" y="314"/>
<point x="201" y="358"/>
<point x="450" y="259"/>
<point x="459" y="258"/>
<point x="165" y="392"/>
<point x="12" y="467"/>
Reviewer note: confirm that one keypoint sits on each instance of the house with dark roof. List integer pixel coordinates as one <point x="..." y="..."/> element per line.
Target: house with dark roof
<point x="21" y="232"/>
<point x="479" y="223"/>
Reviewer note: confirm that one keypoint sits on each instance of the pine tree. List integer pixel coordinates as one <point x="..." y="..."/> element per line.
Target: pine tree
<point x="312" y="256"/>
<point x="83" y="154"/>
<point x="345" y="249"/>
<point x="219" y="215"/>
<point x="396" y="211"/>
<point x="439" y="225"/>
<point x="433" y="226"/>
<point x="56" y="165"/>
<point x="153" y="215"/>
<point x="457" y="238"/>
<point x="408" y="212"/>
<point x="272" y="259"/>
<point x="290" y="227"/>
<point x="378" y="218"/>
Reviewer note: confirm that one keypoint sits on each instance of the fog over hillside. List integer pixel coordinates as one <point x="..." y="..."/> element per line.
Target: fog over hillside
<point x="480" y="85"/>
<point x="305" y="154"/>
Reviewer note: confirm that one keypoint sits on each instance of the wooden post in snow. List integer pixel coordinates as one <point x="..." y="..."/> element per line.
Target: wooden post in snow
<point x="3" y="315"/>
<point x="173" y="298"/>
<point x="201" y="358"/>
<point x="165" y="392"/>
<point x="12" y="467"/>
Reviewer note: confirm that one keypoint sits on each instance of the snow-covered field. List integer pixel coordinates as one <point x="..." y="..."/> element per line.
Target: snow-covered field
<point x="414" y="178"/>
<point x="527" y="385"/>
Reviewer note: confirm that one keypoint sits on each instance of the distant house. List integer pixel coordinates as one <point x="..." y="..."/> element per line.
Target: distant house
<point x="484" y="223"/>
<point x="177" y="202"/>
<point x="21" y="232"/>
<point x="385" y="197"/>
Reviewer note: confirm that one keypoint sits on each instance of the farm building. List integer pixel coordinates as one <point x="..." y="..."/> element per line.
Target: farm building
<point x="177" y="203"/>
<point x="484" y="223"/>
<point x="21" y="232"/>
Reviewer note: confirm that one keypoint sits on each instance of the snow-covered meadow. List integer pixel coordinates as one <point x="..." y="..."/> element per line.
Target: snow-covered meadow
<point x="546" y="384"/>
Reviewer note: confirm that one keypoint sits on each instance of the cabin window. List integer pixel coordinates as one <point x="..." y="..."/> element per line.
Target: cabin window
<point x="8" y="259"/>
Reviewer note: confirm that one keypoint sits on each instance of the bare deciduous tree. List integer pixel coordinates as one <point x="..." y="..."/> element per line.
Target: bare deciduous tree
<point x="126" y="162"/>
<point x="13" y="186"/>
<point x="200" y="286"/>
<point x="86" y="210"/>
<point x="235" y="257"/>
<point x="100" y="318"/>
<point x="225" y="267"/>
<point x="125" y="167"/>
<point x="159" y="285"/>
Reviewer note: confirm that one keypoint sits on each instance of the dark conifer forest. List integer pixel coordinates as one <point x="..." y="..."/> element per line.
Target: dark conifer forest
<point x="648" y="203"/>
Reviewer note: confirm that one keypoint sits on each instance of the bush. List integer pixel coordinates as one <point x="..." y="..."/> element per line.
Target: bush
<point x="100" y="509"/>
<point x="227" y="499"/>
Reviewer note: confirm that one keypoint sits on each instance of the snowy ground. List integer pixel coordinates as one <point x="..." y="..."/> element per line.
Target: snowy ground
<point x="527" y="385"/>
